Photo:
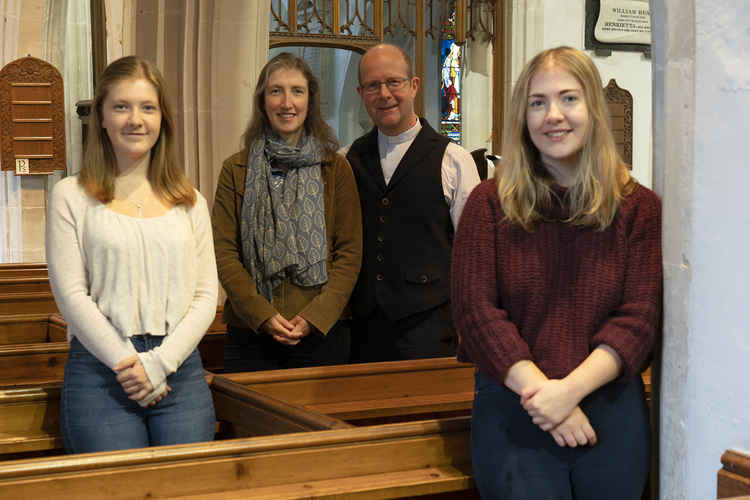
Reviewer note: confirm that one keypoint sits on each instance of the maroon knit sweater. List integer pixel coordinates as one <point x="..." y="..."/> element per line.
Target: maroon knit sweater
<point x="553" y="295"/>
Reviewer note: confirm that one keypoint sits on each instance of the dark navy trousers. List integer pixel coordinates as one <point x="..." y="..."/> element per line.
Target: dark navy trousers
<point x="513" y="459"/>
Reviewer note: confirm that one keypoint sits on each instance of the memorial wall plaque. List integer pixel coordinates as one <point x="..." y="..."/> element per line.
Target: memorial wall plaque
<point x="622" y="25"/>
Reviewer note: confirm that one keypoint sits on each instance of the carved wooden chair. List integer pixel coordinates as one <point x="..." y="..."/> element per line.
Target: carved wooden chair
<point x="620" y="103"/>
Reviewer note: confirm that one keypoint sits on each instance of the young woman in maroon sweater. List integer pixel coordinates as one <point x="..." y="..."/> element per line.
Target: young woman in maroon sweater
<point x="557" y="285"/>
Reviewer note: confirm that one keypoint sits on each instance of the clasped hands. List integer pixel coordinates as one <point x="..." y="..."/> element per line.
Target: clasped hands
<point x="553" y="406"/>
<point x="132" y="377"/>
<point x="287" y="332"/>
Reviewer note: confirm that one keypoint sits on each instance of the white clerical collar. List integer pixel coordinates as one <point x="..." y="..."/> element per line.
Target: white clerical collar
<point x="406" y="136"/>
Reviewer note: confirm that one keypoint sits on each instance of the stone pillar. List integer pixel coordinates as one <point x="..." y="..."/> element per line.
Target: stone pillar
<point x="701" y="92"/>
<point x="210" y="54"/>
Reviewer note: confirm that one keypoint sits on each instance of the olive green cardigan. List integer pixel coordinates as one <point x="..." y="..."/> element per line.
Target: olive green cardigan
<point x="321" y="306"/>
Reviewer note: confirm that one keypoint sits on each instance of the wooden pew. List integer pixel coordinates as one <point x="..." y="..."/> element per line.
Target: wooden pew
<point x="28" y="314"/>
<point x="433" y="456"/>
<point x="33" y="349"/>
<point x="733" y="479"/>
<point x="31" y="365"/>
<point x="29" y="417"/>
<point x="364" y="394"/>
<point x="29" y="421"/>
<point x="402" y="460"/>
<point x="371" y="391"/>
<point x="41" y="358"/>
<point x="29" y="328"/>
<point x="357" y="462"/>
<point x="375" y="390"/>
<point x="24" y="289"/>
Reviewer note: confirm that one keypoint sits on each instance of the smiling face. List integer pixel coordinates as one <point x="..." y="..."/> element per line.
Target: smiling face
<point x="392" y="110"/>
<point x="286" y="98"/>
<point x="131" y="118"/>
<point x="557" y="118"/>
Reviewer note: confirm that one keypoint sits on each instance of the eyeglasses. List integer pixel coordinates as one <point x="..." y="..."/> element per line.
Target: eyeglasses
<point x="391" y="83"/>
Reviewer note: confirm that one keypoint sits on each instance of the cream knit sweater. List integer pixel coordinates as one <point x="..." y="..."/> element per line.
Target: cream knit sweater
<point x="115" y="276"/>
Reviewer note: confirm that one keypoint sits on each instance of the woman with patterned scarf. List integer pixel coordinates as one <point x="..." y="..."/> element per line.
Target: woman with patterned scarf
<point x="287" y="230"/>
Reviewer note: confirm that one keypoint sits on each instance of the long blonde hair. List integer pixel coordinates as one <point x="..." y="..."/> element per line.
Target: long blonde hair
<point x="602" y="178"/>
<point x="99" y="169"/>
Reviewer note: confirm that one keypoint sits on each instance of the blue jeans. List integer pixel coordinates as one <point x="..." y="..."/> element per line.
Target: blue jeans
<point x="513" y="459"/>
<point x="96" y="414"/>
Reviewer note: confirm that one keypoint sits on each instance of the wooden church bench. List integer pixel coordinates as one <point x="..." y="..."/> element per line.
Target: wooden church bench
<point x="24" y="289"/>
<point x="32" y="364"/>
<point x="29" y="417"/>
<point x="371" y="390"/>
<point x="28" y="328"/>
<point x="375" y="390"/>
<point x="33" y="348"/>
<point x="27" y="302"/>
<point x="433" y="456"/>
<point x="23" y="269"/>
<point x="733" y="479"/>
<point x="29" y="421"/>
<point x="401" y="460"/>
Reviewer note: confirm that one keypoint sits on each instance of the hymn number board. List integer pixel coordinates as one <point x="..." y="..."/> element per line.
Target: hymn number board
<point x="32" y="117"/>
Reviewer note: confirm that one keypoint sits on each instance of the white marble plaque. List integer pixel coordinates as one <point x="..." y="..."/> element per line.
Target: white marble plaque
<point x="623" y="21"/>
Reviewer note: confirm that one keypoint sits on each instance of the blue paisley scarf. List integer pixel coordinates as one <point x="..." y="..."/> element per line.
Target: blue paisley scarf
<point x="283" y="228"/>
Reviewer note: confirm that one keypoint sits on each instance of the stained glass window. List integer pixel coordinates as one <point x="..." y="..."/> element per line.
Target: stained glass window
<point x="450" y="81"/>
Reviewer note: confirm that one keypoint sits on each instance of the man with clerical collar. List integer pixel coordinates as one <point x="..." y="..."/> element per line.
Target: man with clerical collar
<point x="413" y="184"/>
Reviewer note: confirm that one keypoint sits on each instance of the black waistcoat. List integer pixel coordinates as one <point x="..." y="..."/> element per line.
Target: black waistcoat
<point x="407" y="228"/>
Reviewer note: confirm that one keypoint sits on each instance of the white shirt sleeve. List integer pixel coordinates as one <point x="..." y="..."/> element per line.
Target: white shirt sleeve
<point x="460" y="176"/>
<point x="180" y="343"/>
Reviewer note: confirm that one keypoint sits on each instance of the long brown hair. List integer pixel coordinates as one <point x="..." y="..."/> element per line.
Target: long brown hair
<point x="602" y="178"/>
<point x="314" y="123"/>
<point x="99" y="162"/>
